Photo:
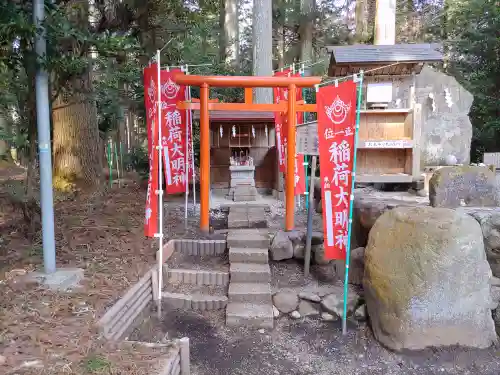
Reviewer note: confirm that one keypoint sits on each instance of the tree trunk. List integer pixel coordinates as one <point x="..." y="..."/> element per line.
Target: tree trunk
<point x="222" y="31"/>
<point x="76" y="139"/>
<point x="262" y="29"/>
<point x="306" y="30"/>
<point x="75" y="125"/>
<point x="231" y="33"/>
<point x="362" y="34"/>
<point x="385" y="22"/>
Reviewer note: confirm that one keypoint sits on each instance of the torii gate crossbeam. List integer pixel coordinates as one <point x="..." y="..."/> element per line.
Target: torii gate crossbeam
<point x="247" y="82"/>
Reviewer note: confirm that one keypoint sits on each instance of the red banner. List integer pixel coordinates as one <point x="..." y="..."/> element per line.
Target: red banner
<point x="174" y="134"/>
<point x="151" y="104"/>
<point x="336" y="127"/>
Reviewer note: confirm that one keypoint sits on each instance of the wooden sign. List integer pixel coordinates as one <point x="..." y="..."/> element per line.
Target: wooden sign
<point x="307" y="139"/>
<point x="387" y="144"/>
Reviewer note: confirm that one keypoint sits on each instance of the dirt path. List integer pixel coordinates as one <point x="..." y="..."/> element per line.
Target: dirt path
<point x="306" y="347"/>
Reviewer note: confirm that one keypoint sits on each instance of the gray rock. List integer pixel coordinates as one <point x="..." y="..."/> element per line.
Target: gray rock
<point x="444" y="291"/>
<point x="295" y="315"/>
<point x="490" y="225"/>
<point x="307" y="308"/>
<point x="286" y="302"/>
<point x="495" y="281"/>
<point x="329" y="317"/>
<point x="496" y="319"/>
<point x="360" y="313"/>
<point x="495" y="296"/>
<point x="296" y="236"/>
<point x="299" y="251"/>
<point x="319" y="254"/>
<point x="450" y="160"/>
<point x="334" y="303"/>
<point x="357" y="266"/>
<point x="453" y="187"/>
<point x="317" y="238"/>
<point x="276" y="312"/>
<point x="310" y="296"/>
<point x="281" y="247"/>
<point x="421" y="193"/>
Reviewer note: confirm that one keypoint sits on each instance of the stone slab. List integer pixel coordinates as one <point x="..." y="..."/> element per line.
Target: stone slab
<point x="249" y="315"/>
<point x="250" y="273"/>
<point x="62" y="280"/>
<point x="248" y="238"/>
<point x="248" y="255"/>
<point x="259" y="293"/>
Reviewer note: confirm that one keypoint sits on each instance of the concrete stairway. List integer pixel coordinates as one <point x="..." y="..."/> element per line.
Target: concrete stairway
<point x="250" y="302"/>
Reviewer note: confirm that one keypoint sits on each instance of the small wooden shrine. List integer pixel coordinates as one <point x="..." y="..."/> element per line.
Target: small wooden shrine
<point x="243" y="158"/>
<point x="390" y="119"/>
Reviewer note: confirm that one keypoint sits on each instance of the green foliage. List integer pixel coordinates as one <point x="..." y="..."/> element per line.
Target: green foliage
<point x="474" y="47"/>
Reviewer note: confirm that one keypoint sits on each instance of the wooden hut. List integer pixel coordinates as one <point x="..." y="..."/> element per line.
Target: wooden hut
<point x="390" y="122"/>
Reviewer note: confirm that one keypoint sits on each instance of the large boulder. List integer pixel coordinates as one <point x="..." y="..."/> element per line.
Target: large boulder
<point x="427" y="281"/>
<point x="453" y="187"/>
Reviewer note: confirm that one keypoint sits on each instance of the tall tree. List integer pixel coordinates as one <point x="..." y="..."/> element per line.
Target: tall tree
<point x="306" y="29"/>
<point x="262" y="46"/>
<point x="385" y="22"/>
<point x="76" y="141"/>
<point x="230" y="44"/>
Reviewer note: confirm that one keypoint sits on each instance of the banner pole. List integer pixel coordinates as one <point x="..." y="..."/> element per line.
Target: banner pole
<point x="351" y="205"/>
<point x="192" y="146"/>
<point x="160" y="186"/>
<point x="110" y="163"/>
<point x="186" y="173"/>
<point x="306" y="158"/>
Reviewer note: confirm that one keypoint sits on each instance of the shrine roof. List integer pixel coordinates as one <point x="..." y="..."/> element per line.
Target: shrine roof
<point x="350" y="59"/>
<point x="237" y="116"/>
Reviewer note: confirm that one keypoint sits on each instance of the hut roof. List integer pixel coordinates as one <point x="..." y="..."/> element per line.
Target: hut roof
<point x="406" y="58"/>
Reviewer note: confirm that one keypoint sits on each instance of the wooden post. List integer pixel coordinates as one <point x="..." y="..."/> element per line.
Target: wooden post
<point x="204" y="159"/>
<point x="248" y="95"/>
<point x="307" y="255"/>
<point x="184" y="354"/>
<point x="290" y="160"/>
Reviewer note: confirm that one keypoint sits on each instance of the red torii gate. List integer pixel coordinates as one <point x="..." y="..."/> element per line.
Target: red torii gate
<point x="291" y="107"/>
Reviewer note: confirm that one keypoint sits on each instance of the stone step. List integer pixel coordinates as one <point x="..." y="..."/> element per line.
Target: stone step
<point x="202" y="302"/>
<point x="249" y="315"/>
<point x="244" y="198"/>
<point x="248" y="238"/>
<point x="250" y="293"/>
<point x="250" y="273"/>
<point x="248" y="255"/>
<point x="198" y="277"/>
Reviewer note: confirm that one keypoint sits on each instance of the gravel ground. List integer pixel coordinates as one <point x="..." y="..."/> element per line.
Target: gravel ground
<point x="305" y="347"/>
<point x="218" y="263"/>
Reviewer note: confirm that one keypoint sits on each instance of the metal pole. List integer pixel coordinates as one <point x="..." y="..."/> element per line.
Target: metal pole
<point x="160" y="187"/>
<point x="307" y="255"/>
<point x="44" y="147"/>
<point x="351" y="204"/>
